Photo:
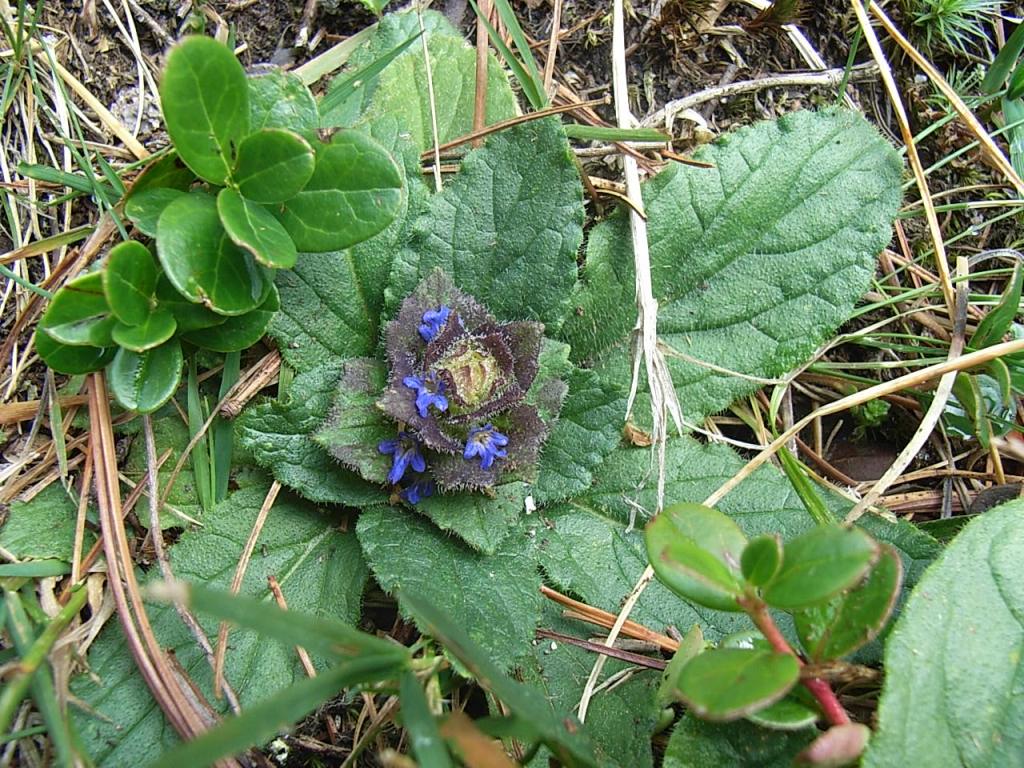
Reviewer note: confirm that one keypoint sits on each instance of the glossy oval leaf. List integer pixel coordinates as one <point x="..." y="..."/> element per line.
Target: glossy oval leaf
<point x="188" y="316"/>
<point x="787" y="714"/>
<point x="237" y="333"/>
<point x="129" y="281"/>
<point x="79" y="314"/>
<point x="691" y="645"/>
<point x="689" y="570"/>
<point x="165" y="172"/>
<point x="853" y="619"/>
<point x="762" y="559"/>
<point x="252" y="227"/>
<point x="205" y="101"/>
<point x="80" y="298"/>
<point x="143" y="381"/>
<point x="953" y="663"/>
<point x="819" y="565"/>
<point x="157" y="328"/>
<point x="273" y="165"/>
<point x="281" y="100"/>
<point x="203" y="264"/>
<point x="726" y="684"/>
<point x="144" y="208"/>
<point x="355" y="191"/>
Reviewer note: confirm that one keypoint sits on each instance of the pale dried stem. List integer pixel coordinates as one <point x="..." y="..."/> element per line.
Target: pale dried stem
<point x="434" y="136"/>
<point x="480" y="94"/>
<point x="989" y="147"/>
<point x="83" y="508"/>
<point x="275" y="589"/>
<point x="549" y="62"/>
<point x="156" y="533"/>
<point x="236" y="582"/>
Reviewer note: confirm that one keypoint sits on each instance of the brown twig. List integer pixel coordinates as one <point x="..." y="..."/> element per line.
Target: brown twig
<point x="605" y="619"/>
<point x="616" y="653"/>
<point x="480" y="94"/>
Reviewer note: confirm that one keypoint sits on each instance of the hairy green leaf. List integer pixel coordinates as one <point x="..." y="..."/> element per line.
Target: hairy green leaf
<point x="320" y="571"/>
<point x="953" y="662"/>
<point x="507" y="228"/>
<point x="43" y="528"/>
<point x="697" y="744"/>
<point x="754" y="261"/>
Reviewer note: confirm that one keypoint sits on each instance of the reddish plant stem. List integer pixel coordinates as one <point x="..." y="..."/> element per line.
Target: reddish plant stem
<point x="820" y="689"/>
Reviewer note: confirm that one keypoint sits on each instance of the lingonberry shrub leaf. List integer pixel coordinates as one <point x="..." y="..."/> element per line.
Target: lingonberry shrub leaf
<point x="695" y="551"/>
<point x="273" y="165"/>
<point x="729" y="683"/>
<point x="205" y="102"/>
<point x="156" y="328"/>
<point x="129" y="282"/>
<point x="281" y="100"/>
<point x="762" y="559"/>
<point x="254" y="229"/>
<point x="965" y="618"/>
<point x="855" y="617"/>
<point x="819" y="565"/>
<point x="203" y="264"/>
<point x="79" y="311"/>
<point x="143" y="381"/>
<point x="780" y="238"/>
<point x="236" y="333"/>
<point x="355" y="192"/>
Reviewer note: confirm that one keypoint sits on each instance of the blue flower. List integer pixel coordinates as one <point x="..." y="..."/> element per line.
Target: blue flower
<point x="429" y="392"/>
<point x="405" y="452"/>
<point x="487" y="443"/>
<point x="418" y="490"/>
<point x="433" y="320"/>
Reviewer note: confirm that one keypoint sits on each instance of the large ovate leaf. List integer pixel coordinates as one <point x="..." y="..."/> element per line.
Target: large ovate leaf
<point x="205" y="102"/>
<point x="481" y="521"/>
<point x="143" y="381"/>
<point x="497" y="598"/>
<point x="953" y="662"/>
<point x="320" y="571"/>
<point x="506" y="229"/>
<point x="278" y="433"/>
<point x="43" y="528"/>
<point x="202" y="262"/>
<point x="80" y="305"/>
<point x="697" y="744"/>
<point x="588" y="546"/>
<point x="331" y="302"/>
<point x="403" y="93"/>
<point x="273" y="165"/>
<point x="254" y="228"/>
<point x="355" y="192"/>
<point x="129" y="282"/>
<point x="728" y="683"/>
<point x="754" y="261"/>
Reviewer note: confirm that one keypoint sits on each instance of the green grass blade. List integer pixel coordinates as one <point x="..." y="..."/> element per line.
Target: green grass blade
<point x="424" y="737"/>
<point x="222" y="432"/>
<point x="35" y="569"/>
<point x="511" y="22"/>
<point x="997" y="320"/>
<point x="265" y="720"/>
<point x="804" y="488"/>
<point x="603" y="133"/>
<point x="341" y="92"/>
<point x="201" y="451"/>
<point x="41" y="686"/>
<point x="1004" y="62"/>
<point x="534" y="94"/>
<point x="319" y="634"/>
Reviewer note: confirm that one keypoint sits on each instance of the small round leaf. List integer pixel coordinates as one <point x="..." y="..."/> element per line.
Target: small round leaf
<point x="144" y="208"/>
<point x="237" y="333"/>
<point x="281" y="100"/>
<point x="129" y="282"/>
<point x="727" y="684"/>
<point x="854" y="618"/>
<point x="143" y="381"/>
<point x="203" y="264"/>
<point x="79" y="314"/>
<point x="691" y="645"/>
<point x="355" y="192"/>
<point x="79" y="299"/>
<point x="157" y="328"/>
<point x="205" y="100"/>
<point x="273" y="165"/>
<point x="819" y="565"/>
<point x="785" y="715"/>
<point x="762" y="559"/>
<point x="252" y="227"/>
